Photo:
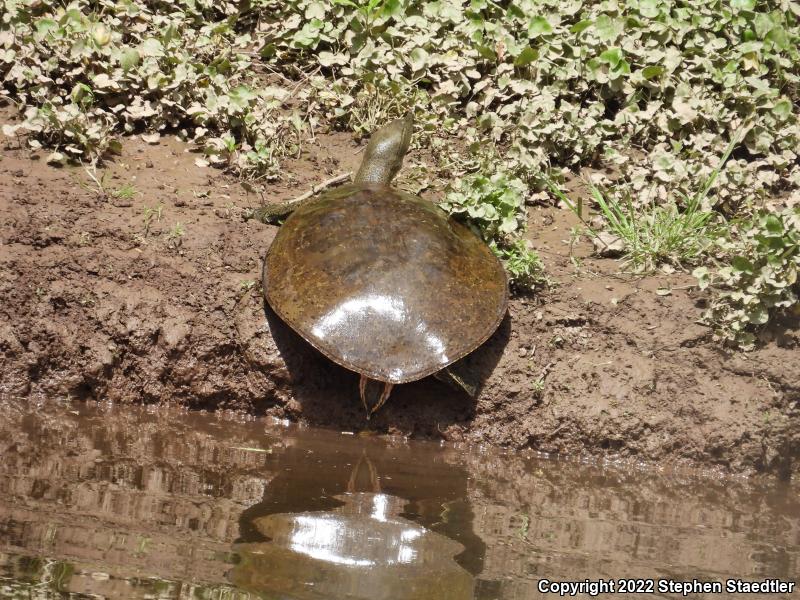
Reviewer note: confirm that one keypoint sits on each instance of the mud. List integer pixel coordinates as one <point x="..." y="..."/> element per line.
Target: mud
<point x="110" y="298"/>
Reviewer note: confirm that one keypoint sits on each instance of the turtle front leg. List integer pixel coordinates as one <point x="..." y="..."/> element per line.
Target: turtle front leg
<point x="384" y="396"/>
<point x="272" y="214"/>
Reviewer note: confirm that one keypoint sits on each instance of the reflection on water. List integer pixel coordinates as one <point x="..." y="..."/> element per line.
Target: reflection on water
<point x="362" y="549"/>
<point x="136" y="503"/>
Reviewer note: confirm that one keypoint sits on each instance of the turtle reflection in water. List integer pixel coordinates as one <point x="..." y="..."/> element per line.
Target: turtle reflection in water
<point x="360" y="550"/>
<point x="380" y="281"/>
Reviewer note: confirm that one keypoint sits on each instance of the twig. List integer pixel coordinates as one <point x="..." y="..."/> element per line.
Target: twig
<point x="546" y="371"/>
<point x="273" y="213"/>
<point x="321" y="186"/>
<point x="300" y="83"/>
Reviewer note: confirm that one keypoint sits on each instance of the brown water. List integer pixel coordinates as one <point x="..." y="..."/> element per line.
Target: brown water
<point x="136" y="503"/>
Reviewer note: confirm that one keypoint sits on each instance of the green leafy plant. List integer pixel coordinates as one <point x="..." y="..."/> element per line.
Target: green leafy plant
<point x="494" y="207"/>
<point x="658" y="234"/>
<point x="570" y="84"/>
<point x="88" y="71"/>
<point x="655" y="234"/>
<point x="523" y="265"/>
<point x="99" y="181"/>
<point x="494" y="204"/>
<point x="560" y="84"/>
<point x="651" y="235"/>
<point x="757" y="277"/>
<point x="367" y="10"/>
<point x="375" y="104"/>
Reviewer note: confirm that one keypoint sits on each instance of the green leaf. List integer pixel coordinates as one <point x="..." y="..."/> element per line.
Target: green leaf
<point x="701" y="274"/>
<point x="326" y="59"/>
<point x="779" y="38"/>
<point x="539" y="26"/>
<point x="486" y="52"/>
<point x="748" y="47"/>
<point x="45" y="26"/>
<point x="392" y="8"/>
<point x="241" y="96"/>
<point x="612" y="57"/>
<point x="581" y="26"/>
<point x="128" y="58"/>
<point x="268" y="51"/>
<point x="623" y="68"/>
<point x="608" y="29"/>
<point x="773" y="225"/>
<point x="509" y="224"/>
<point x="741" y="264"/>
<point x="418" y="59"/>
<point x="151" y="47"/>
<point x="315" y="10"/>
<point x="758" y="316"/>
<point x="526" y="57"/>
<point x="743" y="4"/>
<point x="115" y="146"/>
<point x="309" y="34"/>
<point x="652" y="72"/>
<point x="782" y="108"/>
<point x="763" y="24"/>
<point x="649" y="8"/>
<point x="81" y="94"/>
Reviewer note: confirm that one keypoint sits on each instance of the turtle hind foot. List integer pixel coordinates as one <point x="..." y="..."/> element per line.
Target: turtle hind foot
<point x="458" y="379"/>
<point x="367" y="389"/>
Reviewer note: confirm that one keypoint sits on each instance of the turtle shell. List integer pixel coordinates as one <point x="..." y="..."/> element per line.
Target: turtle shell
<point x="383" y="282"/>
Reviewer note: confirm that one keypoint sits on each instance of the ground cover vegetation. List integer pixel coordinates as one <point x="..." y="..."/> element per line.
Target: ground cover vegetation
<point x="681" y="116"/>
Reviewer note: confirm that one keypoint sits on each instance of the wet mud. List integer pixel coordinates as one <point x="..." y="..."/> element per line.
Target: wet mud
<point x="136" y="502"/>
<point x="153" y="297"/>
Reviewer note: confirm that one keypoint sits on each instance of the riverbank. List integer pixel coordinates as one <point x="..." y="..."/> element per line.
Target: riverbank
<point x="139" y="284"/>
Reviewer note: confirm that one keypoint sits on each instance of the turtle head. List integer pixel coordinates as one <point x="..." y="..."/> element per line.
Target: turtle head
<point x="385" y="151"/>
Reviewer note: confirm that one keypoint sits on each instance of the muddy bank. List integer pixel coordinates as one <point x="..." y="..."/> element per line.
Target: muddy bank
<point x="149" y="294"/>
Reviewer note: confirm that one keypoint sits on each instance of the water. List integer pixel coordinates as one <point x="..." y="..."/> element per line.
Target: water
<point x="135" y="503"/>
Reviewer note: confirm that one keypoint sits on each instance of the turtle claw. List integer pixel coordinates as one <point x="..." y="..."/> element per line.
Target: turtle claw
<point x="362" y="390"/>
<point x="387" y="390"/>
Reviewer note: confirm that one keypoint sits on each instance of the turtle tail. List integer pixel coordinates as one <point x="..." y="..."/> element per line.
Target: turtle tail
<point x="385" y="151"/>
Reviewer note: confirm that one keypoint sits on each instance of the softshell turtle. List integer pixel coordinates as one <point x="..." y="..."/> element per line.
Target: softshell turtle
<point x="383" y="282"/>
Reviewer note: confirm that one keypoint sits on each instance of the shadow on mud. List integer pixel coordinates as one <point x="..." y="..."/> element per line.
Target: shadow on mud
<point x="328" y="393"/>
